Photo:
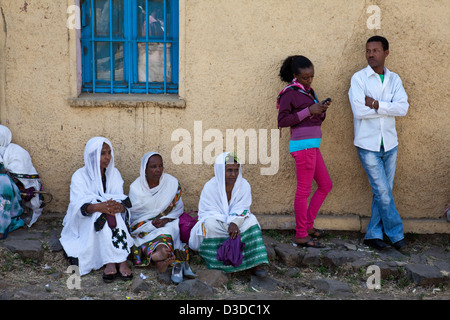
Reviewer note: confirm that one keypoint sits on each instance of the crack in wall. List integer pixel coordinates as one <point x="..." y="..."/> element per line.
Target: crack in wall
<point x="3" y="37"/>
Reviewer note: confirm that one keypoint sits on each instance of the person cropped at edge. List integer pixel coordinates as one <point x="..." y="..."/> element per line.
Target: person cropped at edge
<point x="19" y="180"/>
<point x="377" y="96"/>
<point x="96" y="227"/>
<point x="300" y="109"/>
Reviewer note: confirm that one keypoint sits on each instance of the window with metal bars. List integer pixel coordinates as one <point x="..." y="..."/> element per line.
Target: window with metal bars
<point x="130" y="46"/>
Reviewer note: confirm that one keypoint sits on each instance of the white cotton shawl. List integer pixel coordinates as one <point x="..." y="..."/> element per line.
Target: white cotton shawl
<point x="214" y="202"/>
<point x="148" y="203"/>
<point x="5" y="140"/>
<point x="86" y="187"/>
<point x="15" y="158"/>
<point x="18" y="161"/>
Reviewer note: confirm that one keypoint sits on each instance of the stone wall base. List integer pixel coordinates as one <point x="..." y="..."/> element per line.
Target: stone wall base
<point x="353" y="223"/>
<point x="327" y="222"/>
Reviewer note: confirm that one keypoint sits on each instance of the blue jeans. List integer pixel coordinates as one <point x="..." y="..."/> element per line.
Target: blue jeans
<point x="380" y="168"/>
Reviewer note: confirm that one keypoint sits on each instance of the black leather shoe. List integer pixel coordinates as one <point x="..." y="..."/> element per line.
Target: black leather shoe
<point x="259" y="272"/>
<point x="399" y="245"/>
<point x="376" y="243"/>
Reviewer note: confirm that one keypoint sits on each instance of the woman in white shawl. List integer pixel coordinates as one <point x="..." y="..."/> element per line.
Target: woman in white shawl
<point x="96" y="224"/>
<point x="224" y="212"/>
<point x="157" y="205"/>
<point x="18" y="166"/>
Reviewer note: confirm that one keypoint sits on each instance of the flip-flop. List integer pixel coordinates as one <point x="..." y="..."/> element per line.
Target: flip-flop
<point x="124" y="277"/>
<point x="317" y="233"/>
<point x="108" y="278"/>
<point x="311" y="243"/>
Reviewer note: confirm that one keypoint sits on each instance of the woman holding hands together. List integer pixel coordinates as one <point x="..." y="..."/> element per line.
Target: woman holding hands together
<point x="95" y="232"/>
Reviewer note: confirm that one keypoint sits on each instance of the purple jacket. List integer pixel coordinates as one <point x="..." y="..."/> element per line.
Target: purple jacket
<point x="294" y="113"/>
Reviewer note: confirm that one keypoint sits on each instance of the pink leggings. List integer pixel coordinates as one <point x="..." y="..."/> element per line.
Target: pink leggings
<point x="309" y="165"/>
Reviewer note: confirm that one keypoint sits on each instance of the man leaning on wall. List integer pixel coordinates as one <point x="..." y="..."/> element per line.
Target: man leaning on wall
<point x="377" y="96"/>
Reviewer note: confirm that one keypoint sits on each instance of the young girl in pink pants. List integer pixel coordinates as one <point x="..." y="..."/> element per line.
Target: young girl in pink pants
<point x="300" y="110"/>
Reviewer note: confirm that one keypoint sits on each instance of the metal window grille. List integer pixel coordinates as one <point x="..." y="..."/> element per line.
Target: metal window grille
<point x="130" y="46"/>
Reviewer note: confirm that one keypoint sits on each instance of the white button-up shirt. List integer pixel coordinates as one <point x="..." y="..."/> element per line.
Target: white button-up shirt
<point x="372" y="125"/>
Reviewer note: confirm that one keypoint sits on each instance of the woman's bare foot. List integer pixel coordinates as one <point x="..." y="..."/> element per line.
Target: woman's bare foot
<point x="110" y="273"/>
<point x="162" y="257"/>
<point x="124" y="269"/>
<point x="162" y="266"/>
<point x="110" y="269"/>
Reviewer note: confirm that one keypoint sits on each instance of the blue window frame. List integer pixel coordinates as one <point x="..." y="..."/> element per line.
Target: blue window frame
<point x="119" y="40"/>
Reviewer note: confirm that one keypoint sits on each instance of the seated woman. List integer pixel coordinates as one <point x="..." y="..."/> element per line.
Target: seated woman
<point x="95" y="228"/>
<point x="224" y="213"/>
<point x="157" y="205"/>
<point x="10" y="206"/>
<point x="19" y="203"/>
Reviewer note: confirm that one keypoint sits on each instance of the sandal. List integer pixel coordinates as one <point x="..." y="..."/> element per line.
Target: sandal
<point x="124" y="277"/>
<point x="317" y="233"/>
<point x="108" y="278"/>
<point x="311" y="243"/>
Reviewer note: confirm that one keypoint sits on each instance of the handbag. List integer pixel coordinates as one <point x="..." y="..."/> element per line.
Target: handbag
<point x="186" y="223"/>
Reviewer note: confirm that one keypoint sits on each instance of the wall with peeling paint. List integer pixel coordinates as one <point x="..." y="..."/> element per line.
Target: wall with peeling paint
<point x="230" y="54"/>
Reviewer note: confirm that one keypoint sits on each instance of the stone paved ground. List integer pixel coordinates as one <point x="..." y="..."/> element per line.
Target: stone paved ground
<point x="33" y="267"/>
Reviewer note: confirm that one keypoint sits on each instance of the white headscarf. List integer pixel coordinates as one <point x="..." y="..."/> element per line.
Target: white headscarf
<point x="92" y="156"/>
<point x="149" y="202"/>
<point x="17" y="160"/>
<point x="5" y="140"/>
<point x="213" y="199"/>
<point x="86" y="185"/>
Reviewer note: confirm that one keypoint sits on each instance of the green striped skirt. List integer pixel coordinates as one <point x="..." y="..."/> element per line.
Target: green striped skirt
<point x="254" y="253"/>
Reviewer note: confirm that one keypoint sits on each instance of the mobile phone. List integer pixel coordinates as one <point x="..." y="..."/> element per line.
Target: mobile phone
<point x="326" y="100"/>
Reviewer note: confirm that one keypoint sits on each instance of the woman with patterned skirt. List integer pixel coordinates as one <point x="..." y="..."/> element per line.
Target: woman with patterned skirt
<point x="227" y="235"/>
<point x="19" y="204"/>
<point x="10" y="206"/>
<point x="157" y="205"/>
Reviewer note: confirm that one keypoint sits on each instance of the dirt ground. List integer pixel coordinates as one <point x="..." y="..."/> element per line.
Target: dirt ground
<point x="48" y="279"/>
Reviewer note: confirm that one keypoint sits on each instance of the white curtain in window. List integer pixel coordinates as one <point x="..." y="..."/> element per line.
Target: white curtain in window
<point x="155" y="62"/>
